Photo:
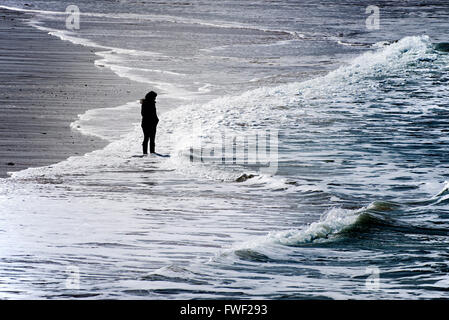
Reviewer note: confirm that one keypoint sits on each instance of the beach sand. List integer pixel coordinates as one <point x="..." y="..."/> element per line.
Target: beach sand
<point x="45" y="84"/>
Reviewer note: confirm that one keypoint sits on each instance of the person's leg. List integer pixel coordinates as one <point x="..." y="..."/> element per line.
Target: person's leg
<point x="152" y="138"/>
<point x="145" y="141"/>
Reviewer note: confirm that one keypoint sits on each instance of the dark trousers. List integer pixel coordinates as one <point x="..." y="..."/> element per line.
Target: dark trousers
<point x="149" y="133"/>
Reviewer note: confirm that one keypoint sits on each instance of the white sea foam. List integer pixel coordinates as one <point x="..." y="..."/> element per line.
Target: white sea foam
<point x="242" y="114"/>
<point x="443" y="195"/>
<point x="108" y="197"/>
<point x="108" y="123"/>
<point x="163" y="18"/>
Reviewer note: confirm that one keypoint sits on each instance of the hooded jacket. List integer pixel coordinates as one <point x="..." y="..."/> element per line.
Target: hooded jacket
<point x="149" y="115"/>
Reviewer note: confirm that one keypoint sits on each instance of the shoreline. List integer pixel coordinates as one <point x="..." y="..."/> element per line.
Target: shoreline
<point x="47" y="84"/>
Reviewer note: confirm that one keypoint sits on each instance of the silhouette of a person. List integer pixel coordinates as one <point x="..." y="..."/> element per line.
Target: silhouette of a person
<point x="149" y="121"/>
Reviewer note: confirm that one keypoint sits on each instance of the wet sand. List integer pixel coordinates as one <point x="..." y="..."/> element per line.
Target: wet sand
<point x="44" y="84"/>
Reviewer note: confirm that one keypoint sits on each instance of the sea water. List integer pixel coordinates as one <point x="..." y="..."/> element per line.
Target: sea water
<point x="357" y="189"/>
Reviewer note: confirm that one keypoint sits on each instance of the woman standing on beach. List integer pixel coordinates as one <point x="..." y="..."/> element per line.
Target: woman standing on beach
<point x="149" y="121"/>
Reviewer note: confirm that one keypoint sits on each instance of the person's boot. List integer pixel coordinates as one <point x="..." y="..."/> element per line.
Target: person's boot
<point x="145" y="148"/>
<point x="152" y="148"/>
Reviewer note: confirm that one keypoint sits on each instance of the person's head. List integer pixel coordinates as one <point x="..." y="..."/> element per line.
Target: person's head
<point x="151" y="96"/>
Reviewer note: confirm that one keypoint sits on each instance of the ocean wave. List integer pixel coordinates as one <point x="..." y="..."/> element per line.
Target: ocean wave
<point x="443" y="46"/>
